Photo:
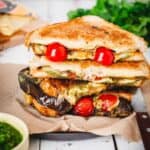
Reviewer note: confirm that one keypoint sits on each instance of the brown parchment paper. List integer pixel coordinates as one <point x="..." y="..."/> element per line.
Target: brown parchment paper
<point x="9" y="91"/>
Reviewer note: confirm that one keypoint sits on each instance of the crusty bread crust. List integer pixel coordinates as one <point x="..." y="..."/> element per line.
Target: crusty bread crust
<point x="88" y="33"/>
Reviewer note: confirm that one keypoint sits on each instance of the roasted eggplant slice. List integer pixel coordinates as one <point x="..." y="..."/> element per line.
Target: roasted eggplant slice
<point x="31" y="87"/>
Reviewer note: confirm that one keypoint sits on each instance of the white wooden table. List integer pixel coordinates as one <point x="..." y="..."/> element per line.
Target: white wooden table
<point x="55" y="11"/>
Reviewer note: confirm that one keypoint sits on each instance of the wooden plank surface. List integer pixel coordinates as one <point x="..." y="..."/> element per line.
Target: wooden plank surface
<point x="123" y="144"/>
<point x="34" y="144"/>
<point x="104" y="143"/>
<point x="96" y="144"/>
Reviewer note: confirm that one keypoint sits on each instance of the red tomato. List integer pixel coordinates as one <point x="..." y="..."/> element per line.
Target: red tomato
<point x="104" y="56"/>
<point x="108" y="100"/>
<point x="84" y="107"/>
<point x="56" y="52"/>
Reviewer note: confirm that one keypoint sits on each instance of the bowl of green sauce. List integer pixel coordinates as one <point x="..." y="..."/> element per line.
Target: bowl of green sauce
<point x="14" y="134"/>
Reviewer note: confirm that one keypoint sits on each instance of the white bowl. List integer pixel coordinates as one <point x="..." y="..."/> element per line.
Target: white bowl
<point x="20" y="126"/>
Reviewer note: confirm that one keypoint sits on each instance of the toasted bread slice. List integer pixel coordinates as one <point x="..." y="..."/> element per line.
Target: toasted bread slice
<point x="87" y="70"/>
<point x="87" y="33"/>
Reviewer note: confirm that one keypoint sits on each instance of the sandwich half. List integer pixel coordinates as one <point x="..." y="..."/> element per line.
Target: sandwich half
<point x="54" y="97"/>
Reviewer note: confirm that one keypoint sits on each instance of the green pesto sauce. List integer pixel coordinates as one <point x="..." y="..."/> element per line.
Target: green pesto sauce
<point x="9" y="136"/>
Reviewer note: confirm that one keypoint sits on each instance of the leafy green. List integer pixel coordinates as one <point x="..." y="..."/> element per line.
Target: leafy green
<point x="134" y="17"/>
<point x="9" y="136"/>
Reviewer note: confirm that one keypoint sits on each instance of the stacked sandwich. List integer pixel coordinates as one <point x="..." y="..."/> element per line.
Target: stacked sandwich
<point x="86" y="66"/>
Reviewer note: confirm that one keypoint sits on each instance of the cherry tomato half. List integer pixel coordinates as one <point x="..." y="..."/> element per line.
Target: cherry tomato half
<point x="104" y="56"/>
<point x="84" y="107"/>
<point x="56" y="52"/>
<point x="108" y="100"/>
